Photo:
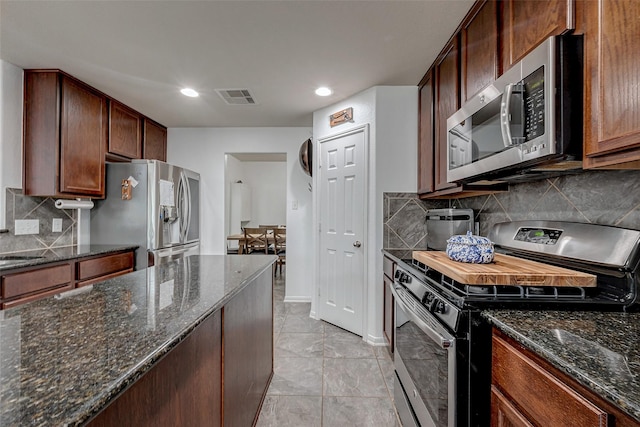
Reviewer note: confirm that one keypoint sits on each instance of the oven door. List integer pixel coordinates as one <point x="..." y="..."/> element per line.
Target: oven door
<point x="425" y="363"/>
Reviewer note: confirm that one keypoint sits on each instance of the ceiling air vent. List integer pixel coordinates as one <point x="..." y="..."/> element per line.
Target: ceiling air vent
<point x="237" y="96"/>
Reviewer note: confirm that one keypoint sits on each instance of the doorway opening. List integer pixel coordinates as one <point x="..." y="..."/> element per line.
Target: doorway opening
<point x="255" y="196"/>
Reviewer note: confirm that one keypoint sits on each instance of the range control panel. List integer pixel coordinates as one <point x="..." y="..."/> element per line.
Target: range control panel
<point x="544" y="236"/>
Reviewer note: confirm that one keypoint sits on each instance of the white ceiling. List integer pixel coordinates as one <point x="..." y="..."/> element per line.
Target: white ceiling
<point x="143" y="52"/>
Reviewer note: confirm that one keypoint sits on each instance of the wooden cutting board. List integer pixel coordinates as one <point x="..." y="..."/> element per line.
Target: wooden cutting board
<point x="505" y="270"/>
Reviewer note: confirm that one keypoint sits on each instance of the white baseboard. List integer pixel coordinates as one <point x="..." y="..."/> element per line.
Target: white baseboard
<point x="297" y="299"/>
<point x="378" y="341"/>
<point x="312" y="314"/>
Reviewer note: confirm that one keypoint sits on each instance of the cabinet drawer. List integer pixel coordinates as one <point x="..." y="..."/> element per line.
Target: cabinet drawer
<point x="105" y="265"/>
<point x="539" y="395"/>
<point x="27" y="282"/>
<point x="388" y="266"/>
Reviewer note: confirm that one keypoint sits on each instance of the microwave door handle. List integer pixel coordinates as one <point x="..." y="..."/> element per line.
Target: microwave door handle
<point x="505" y="106"/>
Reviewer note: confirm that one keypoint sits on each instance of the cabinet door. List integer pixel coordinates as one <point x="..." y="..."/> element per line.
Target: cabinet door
<point x="528" y="23"/>
<point x="447" y="95"/>
<point x="247" y="351"/>
<point x="83" y="139"/>
<point x="612" y="81"/>
<point x="503" y="413"/>
<point x="184" y="388"/>
<point x="426" y="136"/>
<point x="155" y="141"/>
<point x="479" y="50"/>
<point x="125" y="131"/>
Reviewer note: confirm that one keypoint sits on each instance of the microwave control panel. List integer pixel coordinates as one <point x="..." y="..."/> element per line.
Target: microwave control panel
<point x="533" y="100"/>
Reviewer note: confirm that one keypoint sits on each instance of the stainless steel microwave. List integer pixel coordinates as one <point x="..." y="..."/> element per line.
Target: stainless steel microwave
<point x="527" y="123"/>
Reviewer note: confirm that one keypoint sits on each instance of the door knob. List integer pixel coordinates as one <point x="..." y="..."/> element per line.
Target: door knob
<point x="357" y="244"/>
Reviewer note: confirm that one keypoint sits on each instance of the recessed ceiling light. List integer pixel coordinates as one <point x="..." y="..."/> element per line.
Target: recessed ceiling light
<point x="189" y="92"/>
<point x="323" y="91"/>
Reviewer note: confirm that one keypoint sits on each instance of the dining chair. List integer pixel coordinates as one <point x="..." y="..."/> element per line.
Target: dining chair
<point x="280" y="247"/>
<point x="270" y="227"/>
<point x="255" y="240"/>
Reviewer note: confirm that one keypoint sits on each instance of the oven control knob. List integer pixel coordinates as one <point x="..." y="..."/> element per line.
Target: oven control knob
<point x="438" y="306"/>
<point x="404" y="278"/>
<point x="427" y="298"/>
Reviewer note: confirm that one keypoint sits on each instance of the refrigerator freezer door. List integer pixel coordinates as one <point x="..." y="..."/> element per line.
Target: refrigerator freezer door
<point x="170" y="203"/>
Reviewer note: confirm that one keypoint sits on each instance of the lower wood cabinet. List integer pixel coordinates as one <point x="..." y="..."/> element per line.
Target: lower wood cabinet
<point x="28" y="284"/>
<point x="248" y="351"/>
<point x="504" y="413"/>
<point x="218" y="375"/>
<point x="101" y="268"/>
<point x="527" y="391"/>
<point x="25" y="286"/>
<point x="183" y="389"/>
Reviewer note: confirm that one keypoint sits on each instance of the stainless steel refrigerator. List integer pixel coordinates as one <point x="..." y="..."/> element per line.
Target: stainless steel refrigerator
<point x="151" y="204"/>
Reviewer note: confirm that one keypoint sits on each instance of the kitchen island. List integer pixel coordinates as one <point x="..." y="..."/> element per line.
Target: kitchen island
<point x="599" y="350"/>
<point x="87" y="355"/>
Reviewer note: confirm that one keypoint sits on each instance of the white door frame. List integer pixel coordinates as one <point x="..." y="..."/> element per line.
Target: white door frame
<point x="315" y="309"/>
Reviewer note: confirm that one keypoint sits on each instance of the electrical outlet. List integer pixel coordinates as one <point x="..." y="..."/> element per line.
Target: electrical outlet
<point x="56" y="227"/>
<point x="27" y="226"/>
<point x="294" y="205"/>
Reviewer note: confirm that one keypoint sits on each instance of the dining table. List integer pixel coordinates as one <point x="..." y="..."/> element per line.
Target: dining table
<point x="242" y="242"/>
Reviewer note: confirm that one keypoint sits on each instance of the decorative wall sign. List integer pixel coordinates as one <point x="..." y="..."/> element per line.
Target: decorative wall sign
<point x="340" y="117"/>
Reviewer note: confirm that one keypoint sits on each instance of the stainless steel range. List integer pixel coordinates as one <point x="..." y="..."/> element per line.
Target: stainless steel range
<point x="442" y="346"/>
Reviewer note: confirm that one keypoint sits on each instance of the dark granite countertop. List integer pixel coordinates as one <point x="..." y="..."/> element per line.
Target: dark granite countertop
<point x="600" y="350"/>
<point x="64" y="358"/>
<point x="45" y="256"/>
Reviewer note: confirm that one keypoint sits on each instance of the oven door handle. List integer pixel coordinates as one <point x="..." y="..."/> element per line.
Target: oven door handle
<point x="443" y="341"/>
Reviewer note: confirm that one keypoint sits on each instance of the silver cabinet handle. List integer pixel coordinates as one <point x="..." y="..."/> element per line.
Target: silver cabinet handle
<point x="357" y="244"/>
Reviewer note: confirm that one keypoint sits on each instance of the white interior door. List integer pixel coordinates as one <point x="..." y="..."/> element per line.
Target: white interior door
<point x="342" y="225"/>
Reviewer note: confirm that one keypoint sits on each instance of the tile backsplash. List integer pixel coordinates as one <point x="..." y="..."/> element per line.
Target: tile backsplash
<point x="19" y="206"/>
<point x="599" y="197"/>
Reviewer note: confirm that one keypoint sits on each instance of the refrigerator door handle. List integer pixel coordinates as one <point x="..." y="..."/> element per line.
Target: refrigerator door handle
<point x="185" y="207"/>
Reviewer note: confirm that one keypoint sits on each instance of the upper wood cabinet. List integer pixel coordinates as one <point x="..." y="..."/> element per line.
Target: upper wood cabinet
<point x="447" y="102"/>
<point x="425" y="135"/>
<point x="65" y="136"/>
<point x="155" y="141"/>
<point x="440" y="91"/>
<point x="125" y="131"/>
<point x="612" y="100"/>
<point x="525" y="24"/>
<point x="479" y="48"/>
